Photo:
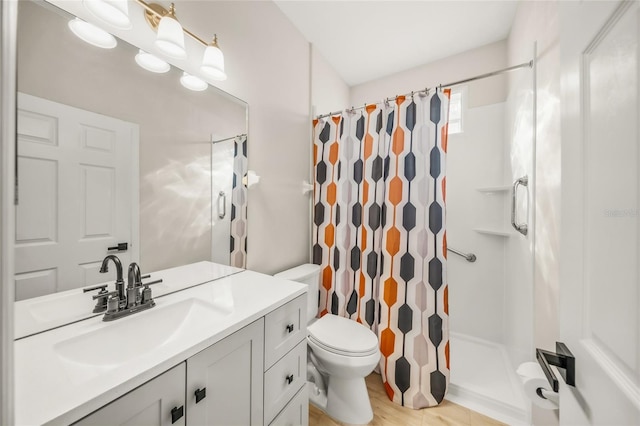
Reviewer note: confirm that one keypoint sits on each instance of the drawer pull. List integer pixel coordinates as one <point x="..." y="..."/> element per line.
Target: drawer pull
<point x="200" y="394"/>
<point x="289" y="379"/>
<point x="290" y="328"/>
<point x="177" y="413"/>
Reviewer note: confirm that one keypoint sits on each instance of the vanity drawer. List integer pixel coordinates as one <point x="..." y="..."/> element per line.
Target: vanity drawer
<point x="296" y="412"/>
<point x="284" y="380"/>
<point x="284" y="328"/>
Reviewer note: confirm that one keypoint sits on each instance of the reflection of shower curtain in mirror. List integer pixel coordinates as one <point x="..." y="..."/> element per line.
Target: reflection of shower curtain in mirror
<point x="380" y="237"/>
<point x="238" y="240"/>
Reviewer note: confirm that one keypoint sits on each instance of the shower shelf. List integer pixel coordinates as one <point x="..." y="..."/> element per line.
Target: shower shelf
<point x="496" y="232"/>
<point x="493" y="189"/>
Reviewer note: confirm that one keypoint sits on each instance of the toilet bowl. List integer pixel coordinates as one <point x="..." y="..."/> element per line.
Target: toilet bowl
<point x="341" y="353"/>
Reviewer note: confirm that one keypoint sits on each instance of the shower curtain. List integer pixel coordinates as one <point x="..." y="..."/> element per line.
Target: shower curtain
<point x="238" y="225"/>
<point x="379" y="235"/>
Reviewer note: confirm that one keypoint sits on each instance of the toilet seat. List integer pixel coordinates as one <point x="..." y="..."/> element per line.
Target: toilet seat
<point x="343" y="336"/>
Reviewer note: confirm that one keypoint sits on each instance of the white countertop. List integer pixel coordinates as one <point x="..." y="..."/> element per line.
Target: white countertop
<point x="53" y="389"/>
<point x="54" y="310"/>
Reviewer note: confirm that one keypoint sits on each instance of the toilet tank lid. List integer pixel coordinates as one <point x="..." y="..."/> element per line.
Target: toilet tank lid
<point x="299" y="273"/>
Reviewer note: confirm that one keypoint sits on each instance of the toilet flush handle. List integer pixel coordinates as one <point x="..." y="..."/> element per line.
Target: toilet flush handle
<point x="290" y="328"/>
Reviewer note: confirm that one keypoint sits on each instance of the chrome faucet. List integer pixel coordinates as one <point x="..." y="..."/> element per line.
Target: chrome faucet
<point x="136" y="298"/>
<point x="119" y="281"/>
<point x="121" y="303"/>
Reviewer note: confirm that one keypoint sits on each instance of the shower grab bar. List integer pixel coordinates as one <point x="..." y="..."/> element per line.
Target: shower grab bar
<point x="222" y="207"/>
<point x="520" y="227"/>
<point x="468" y="257"/>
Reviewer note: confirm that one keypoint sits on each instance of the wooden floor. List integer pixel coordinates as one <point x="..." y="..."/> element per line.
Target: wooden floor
<point x="386" y="412"/>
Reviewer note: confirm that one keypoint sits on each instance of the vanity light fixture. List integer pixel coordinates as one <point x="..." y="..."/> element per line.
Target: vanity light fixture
<point x="192" y="82"/>
<point x="170" y="38"/>
<point x="151" y="62"/>
<point x="113" y="12"/>
<point x="92" y="34"/>
<point x="213" y="61"/>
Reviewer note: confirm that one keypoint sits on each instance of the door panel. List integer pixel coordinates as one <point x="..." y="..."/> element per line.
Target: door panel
<point x="599" y="298"/>
<point x="611" y="187"/>
<point x="39" y="205"/>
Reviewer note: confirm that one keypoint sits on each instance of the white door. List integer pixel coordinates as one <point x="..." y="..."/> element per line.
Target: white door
<point x="78" y="196"/>
<point x="600" y="286"/>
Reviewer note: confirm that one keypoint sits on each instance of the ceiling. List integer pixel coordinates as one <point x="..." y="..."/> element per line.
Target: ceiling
<point x="366" y="40"/>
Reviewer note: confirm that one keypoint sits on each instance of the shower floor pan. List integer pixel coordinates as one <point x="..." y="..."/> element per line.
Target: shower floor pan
<point x="483" y="380"/>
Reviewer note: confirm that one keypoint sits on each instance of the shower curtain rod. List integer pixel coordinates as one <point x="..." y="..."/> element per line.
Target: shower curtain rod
<point x="228" y="139"/>
<point x="455" y="83"/>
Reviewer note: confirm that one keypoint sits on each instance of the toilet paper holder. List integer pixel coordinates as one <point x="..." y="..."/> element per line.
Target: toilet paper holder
<point x="561" y="358"/>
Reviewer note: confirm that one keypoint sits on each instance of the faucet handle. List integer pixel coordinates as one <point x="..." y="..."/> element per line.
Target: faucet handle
<point x="105" y="295"/>
<point x="101" y="304"/>
<point x="146" y="292"/>
<point x="102" y="287"/>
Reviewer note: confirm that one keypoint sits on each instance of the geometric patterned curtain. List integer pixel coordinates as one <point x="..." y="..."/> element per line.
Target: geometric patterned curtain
<point x="380" y="236"/>
<point x="238" y="225"/>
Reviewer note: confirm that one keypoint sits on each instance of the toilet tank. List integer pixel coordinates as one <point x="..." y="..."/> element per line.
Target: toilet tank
<point x="308" y="274"/>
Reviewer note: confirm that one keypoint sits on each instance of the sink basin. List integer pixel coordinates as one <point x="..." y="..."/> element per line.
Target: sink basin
<point x="123" y="340"/>
<point x="62" y="307"/>
<point x="51" y="311"/>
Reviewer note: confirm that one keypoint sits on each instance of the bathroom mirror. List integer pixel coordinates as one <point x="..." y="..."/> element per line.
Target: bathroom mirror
<point x="110" y="153"/>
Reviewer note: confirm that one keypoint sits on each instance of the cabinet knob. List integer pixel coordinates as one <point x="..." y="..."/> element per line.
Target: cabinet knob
<point x="290" y="328"/>
<point x="177" y="413"/>
<point x="289" y="379"/>
<point x="200" y="394"/>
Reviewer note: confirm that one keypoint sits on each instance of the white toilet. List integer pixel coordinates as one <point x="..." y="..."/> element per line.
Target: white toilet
<point x="341" y="354"/>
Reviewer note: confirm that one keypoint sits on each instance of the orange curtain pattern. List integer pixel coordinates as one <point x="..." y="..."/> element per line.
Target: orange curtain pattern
<point x="380" y="236"/>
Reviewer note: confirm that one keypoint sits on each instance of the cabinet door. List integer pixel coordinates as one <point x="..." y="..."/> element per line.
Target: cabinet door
<point x="283" y="380"/>
<point x="226" y="380"/>
<point x="296" y="413"/>
<point x="149" y="404"/>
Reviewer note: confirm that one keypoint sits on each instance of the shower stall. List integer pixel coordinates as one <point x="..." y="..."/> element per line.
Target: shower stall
<point x="490" y="214"/>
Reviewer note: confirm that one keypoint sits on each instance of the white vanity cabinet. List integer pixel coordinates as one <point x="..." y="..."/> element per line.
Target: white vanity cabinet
<point x="285" y="362"/>
<point x="223" y="387"/>
<point x="153" y="403"/>
<point x="224" y="381"/>
<point x="255" y="376"/>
